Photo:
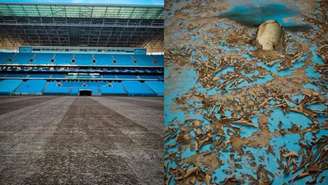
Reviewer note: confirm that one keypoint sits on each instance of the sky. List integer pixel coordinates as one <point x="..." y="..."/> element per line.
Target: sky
<point x="134" y="2"/>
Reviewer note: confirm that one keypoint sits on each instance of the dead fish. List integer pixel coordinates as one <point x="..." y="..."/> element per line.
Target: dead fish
<point x="270" y="35"/>
<point x="300" y="176"/>
<point x="245" y="122"/>
<point x="208" y="179"/>
<point x="188" y="173"/>
<point x="184" y="138"/>
<point x="231" y="181"/>
<point x="264" y="177"/>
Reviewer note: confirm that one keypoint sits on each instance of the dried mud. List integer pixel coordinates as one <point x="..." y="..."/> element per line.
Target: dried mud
<point x="260" y="115"/>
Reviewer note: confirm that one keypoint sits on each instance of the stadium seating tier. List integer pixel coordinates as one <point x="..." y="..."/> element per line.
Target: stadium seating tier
<point x="120" y="74"/>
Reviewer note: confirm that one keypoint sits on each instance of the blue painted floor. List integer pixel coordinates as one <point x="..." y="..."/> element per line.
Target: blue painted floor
<point x="235" y="114"/>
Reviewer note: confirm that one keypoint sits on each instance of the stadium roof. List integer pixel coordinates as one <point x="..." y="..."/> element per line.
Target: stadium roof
<point x="92" y="2"/>
<point x="82" y="11"/>
<point x="81" y="24"/>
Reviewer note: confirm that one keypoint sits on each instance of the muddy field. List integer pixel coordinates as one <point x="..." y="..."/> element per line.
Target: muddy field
<point x="237" y="112"/>
<point x="80" y="140"/>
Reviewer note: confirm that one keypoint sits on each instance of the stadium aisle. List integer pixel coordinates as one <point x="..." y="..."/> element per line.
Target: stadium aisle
<point x="78" y="140"/>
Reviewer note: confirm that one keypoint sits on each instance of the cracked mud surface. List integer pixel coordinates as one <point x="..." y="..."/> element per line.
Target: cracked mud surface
<point x="234" y="113"/>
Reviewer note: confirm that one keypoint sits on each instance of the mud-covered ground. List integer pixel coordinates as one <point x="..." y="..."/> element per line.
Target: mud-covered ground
<point x="80" y="140"/>
<point x="236" y="114"/>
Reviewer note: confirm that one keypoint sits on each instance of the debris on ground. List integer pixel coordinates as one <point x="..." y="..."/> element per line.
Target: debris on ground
<point x="237" y="113"/>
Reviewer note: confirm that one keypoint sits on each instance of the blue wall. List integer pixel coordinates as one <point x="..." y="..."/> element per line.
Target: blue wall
<point x="82" y="59"/>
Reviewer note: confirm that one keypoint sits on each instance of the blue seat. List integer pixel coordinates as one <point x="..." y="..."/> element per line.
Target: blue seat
<point x="157" y="86"/>
<point x="4" y="58"/>
<point x="8" y="86"/>
<point x="137" y="88"/>
<point x="43" y="58"/>
<point x="123" y="60"/>
<point x="144" y="60"/>
<point x="83" y="59"/>
<point x="32" y="87"/>
<point x="63" y="59"/>
<point x="56" y="88"/>
<point x="158" y="60"/>
<point x="112" y="88"/>
<point x="104" y="59"/>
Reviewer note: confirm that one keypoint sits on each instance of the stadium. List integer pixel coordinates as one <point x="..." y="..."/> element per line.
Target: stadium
<point x="51" y="55"/>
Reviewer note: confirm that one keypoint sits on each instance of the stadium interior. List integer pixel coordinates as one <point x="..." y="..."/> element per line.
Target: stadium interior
<point x="81" y="92"/>
<point x="69" y="73"/>
<point x="81" y="49"/>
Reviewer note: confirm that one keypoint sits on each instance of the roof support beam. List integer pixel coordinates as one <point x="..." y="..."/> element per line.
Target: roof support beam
<point x="81" y="25"/>
<point x="113" y="25"/>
